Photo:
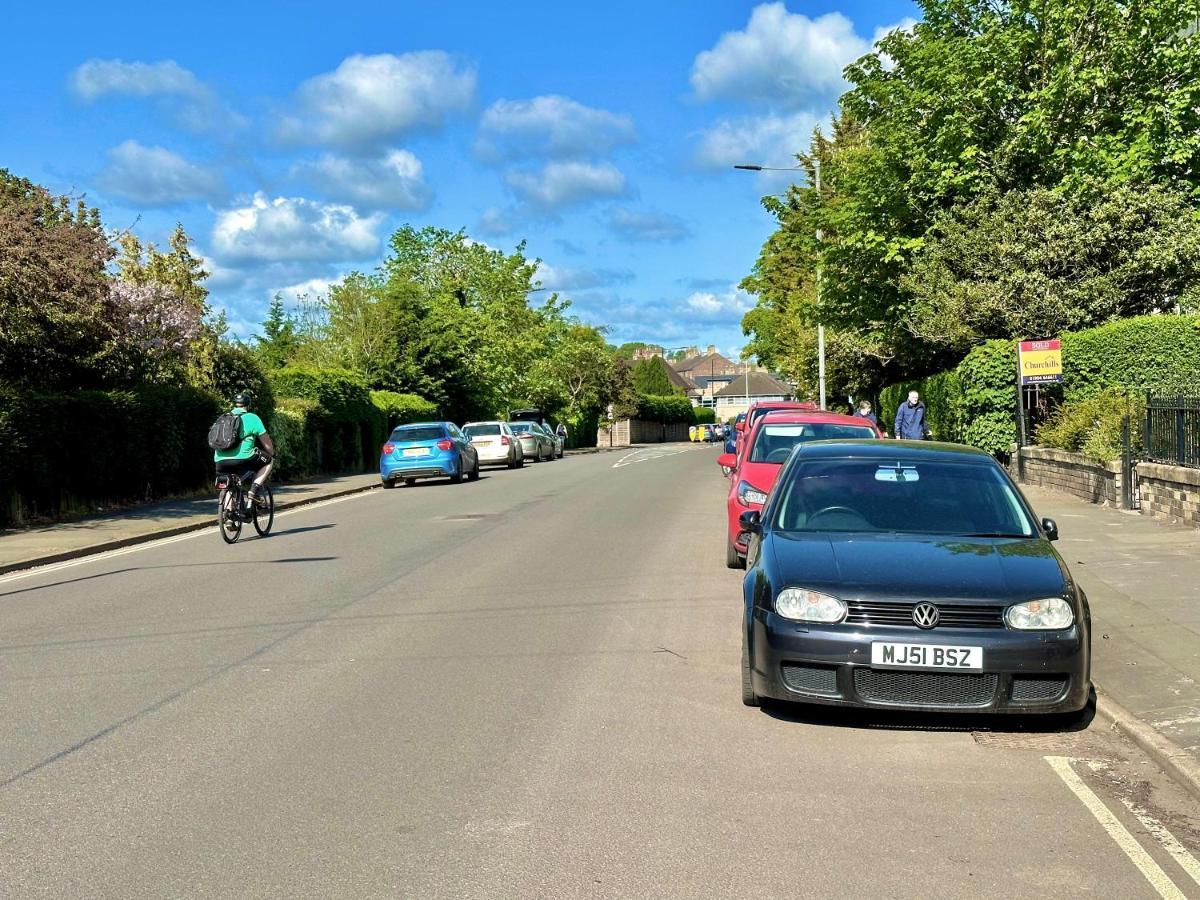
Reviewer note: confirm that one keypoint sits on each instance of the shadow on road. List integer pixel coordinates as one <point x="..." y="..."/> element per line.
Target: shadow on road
<point x="303" y="529"/>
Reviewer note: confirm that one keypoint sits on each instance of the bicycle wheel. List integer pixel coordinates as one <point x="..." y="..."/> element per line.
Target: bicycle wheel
<point x="229" y="522"/>
<point x="264" y="515"/>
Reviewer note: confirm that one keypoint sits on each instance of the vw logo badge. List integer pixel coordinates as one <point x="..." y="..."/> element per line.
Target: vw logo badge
<point x="926" y="615"/>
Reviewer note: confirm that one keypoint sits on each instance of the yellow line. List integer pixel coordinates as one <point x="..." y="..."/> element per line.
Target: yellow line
<point x="1169" y="841"/>
<point x="1138" y="856"/>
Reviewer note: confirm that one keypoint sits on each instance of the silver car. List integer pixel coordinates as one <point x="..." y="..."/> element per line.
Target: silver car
<point x="560" y="443"/>
<point x="496" y="444"/>
<point x="534" y="440"/>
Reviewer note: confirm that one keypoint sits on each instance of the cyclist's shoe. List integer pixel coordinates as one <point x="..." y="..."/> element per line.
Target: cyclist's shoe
<point x="258" y="495"/>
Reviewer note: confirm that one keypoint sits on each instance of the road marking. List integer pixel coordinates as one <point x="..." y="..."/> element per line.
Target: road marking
<point x="655" y="453"/>
<point x="1119" y="833"/>
<point x="160" y="542"/>
<point x="1170" y="843"/>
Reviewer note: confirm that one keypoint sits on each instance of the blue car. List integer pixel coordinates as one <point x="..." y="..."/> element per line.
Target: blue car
<point x="427" y="450"/>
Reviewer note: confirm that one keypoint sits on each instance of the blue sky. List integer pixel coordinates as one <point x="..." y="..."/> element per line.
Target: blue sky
<point x="290" y="139"/>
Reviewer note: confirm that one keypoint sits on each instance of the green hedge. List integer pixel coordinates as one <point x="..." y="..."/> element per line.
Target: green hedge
<point x="343" y="431"/>
<point x="704" y="415"/>
<point x="668" y="410"/>
<point x="1091" y="425"/>
<point x="401" y="409"/>
<point x="79" y="452"/>
<point x="237" y="369"/>
<point x="975" y="402"/>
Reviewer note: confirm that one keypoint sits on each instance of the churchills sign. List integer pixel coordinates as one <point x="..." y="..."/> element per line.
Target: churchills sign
<point x="1040" y="362"/>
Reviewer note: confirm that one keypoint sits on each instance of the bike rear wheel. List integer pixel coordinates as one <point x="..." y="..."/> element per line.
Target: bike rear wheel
<point x="229" y="520"/>
<point x="264" y="515"/>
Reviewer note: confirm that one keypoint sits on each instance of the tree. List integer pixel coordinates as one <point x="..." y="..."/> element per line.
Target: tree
<point x="55" y="321"/>
<point x="280" y="340"/>
<point x="578" y="375"/>
<point x="650" y="376"/>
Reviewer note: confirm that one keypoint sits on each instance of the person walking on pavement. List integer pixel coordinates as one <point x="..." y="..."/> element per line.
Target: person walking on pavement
<point x="910" y="419"/>
<point x="864" y="412"/>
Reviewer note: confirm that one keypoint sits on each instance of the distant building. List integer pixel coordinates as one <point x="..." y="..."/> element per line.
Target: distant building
<point x="710" y="372"/>
<point x="744" y="390"/>
<point x="648" y="352"/>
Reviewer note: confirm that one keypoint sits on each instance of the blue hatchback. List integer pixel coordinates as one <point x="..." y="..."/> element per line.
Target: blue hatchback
<point x="427" y="450"/>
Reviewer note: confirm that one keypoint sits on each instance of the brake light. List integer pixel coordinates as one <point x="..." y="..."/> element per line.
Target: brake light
<point x="445" y="444"/>
<point x="504" y="440"/>
<point x="389" y="447"/>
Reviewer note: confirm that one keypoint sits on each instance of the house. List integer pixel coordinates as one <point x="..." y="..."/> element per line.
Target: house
<point x="710" y="372"/>
<point x="744" y="390"/>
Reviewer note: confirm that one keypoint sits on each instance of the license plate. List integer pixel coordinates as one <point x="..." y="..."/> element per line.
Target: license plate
<point x="926" y="656"/>
<point x="416" y="451"/>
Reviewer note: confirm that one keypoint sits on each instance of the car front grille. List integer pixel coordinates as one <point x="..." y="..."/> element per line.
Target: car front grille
<point x="926" y="688"/>
<point x="819" y="680"/>
<point x="1043" y="688"/>
<point x="951" y="615"/>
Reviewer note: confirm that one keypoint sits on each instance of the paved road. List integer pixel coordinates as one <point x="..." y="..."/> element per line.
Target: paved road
<point x="522" y="687"/>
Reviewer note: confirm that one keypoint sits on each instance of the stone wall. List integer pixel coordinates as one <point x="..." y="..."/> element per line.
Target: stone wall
<point x="624" y="432"/>
<point x="1071" y="473"/>
<point x="1170" y="493"/>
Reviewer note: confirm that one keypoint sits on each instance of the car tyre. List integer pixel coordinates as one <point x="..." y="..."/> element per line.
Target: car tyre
<point x="457" y="476"/>
<point x="409" y="482"/>
<point x="733" y="559"/>
<point x="473" y="475"/>
<point x="749" y="698"/>
<point x="388" y="484"/>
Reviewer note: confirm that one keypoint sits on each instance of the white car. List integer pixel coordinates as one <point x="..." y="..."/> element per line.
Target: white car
<point x="495" y="443"/>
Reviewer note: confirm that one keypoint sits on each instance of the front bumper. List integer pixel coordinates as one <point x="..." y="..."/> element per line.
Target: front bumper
<point x="1023" y="672"/>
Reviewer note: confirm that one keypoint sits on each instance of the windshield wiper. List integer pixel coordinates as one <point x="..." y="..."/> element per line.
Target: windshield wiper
<point x="994" y="534"/>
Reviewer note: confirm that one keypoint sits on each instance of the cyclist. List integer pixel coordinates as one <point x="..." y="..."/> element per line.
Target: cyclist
<point x="255" y="450"/>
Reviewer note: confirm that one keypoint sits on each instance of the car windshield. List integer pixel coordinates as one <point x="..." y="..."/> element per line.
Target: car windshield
<point x="419" y="433"/>
<point x="520" y="427"/>
<point x="481" y="430"/>
<point x="918" y="497"/>
<point x="775" y="442"/>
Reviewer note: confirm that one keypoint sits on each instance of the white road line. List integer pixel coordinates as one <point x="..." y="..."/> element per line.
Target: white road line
<point x="1127" y="842"/>
<point x="109" y="554"/>
<point x="655" y="453"/>
<point x="1170" y="843"/>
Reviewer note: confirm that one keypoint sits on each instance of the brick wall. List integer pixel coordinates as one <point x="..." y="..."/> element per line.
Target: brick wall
<point x="637" y="431"/>
<point x="1071" y="473"/>
<point x="1171" y="493"/>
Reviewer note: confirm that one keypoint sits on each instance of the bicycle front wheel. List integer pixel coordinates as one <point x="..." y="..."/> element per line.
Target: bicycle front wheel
<point x="264" y="514"/>
<point x="229" y="521"/>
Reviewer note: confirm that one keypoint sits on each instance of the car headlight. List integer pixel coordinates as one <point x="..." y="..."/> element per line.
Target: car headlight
<point x="1051" y="614"/>
<point x="803" y="605"/>
<point x="748" y="493"/>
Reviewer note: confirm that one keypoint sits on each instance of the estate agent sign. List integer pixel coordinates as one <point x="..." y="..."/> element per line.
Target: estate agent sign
<point x="1040" y="362"/>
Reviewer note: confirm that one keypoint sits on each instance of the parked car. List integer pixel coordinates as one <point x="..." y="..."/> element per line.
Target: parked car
<point x="909" y="575"/>
<point x="534" y="441"/>
<point x="495" y="443"/>
<point x="769" y="444"/>
<point x="759" y="409"/>
<point x="731" y="433"/>
<point x="560" y="443"/>
<point x="427" y="450"/>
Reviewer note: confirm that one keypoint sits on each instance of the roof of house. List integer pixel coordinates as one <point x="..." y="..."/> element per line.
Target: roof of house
<point x="701" y="363"/>
<point x="683" y="382"/>
<point x="760" y="385"/>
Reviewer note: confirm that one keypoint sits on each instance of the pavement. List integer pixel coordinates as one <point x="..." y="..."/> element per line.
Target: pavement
<point x="525" y="686"/>
<point x="1142" y="578"/>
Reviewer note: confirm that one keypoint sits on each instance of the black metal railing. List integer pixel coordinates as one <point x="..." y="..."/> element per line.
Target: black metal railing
<point x="1172" y="431"/>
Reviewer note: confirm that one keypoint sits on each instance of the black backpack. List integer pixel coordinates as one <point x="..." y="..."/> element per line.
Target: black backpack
<point x="226" y="432"/>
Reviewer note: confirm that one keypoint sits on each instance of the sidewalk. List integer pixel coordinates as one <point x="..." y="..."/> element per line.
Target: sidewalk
<point x="1142" y="578"/>
<point x="26" y="547"/>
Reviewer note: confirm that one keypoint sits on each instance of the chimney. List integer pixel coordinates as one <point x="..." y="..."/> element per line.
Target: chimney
<point x="712" y="348"/>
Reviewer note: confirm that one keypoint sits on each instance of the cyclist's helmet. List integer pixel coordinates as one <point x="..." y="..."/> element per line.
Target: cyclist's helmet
<point x="244" y="399"/>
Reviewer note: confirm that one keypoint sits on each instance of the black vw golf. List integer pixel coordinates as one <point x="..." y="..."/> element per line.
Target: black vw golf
<point x="896" y="574"/>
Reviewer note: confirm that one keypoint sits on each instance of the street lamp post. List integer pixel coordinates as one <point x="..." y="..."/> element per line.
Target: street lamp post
<point x="820" y="327"/>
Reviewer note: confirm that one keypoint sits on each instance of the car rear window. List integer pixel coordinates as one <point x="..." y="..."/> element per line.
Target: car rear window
<point x="481" y="430"/>
<point x="916" y="497"/>
<point x="520" y="427"/>
<point x="775" y="442"/>
<point x="419" y="433"/>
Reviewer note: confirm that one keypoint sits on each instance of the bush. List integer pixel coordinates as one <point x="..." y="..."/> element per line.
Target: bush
<point x="1092" y="425"/>
<point x="400" y="409"/>
<point x="295" y="427"/>
<point x="1146" y="353"/>
<point x="79" y="452"/>
<point x="668" y="410"/>
<point x="344" y="431"/>
<point x="236" y="369"/>
<point x="703" y="415"/>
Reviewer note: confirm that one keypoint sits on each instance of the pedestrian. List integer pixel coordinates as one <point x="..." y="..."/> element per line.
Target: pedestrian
<point x="561" y="431"/>
<point x="864" y="412"/>
<point x="910" y="420"/>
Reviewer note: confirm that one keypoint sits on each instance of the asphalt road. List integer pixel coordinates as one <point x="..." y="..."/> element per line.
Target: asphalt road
<point x="522" y="687"/>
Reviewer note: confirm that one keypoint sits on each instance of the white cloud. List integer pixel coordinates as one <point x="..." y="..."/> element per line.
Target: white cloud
<point x="310" y="288"/>
<point x="647" y="226"/>
<point x="154" y="176"/>
<point x="568" y="278"/>
<point x="781" y="59"/>
<point x="193" y="103"/>
<point x="565" y="183"/>
<point x="552" y="126"/>
<point x="294" y="229"/>
<point x="368" y="99"/>
<point x="728" y="306"/>
<point x="770" y="140"/>
<point x="394" y="180"/>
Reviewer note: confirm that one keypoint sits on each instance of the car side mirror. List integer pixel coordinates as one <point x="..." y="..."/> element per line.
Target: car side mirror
<point x="1050" y="527"/>
<point x="750" y="522"/>
<point x="727" y="461"/>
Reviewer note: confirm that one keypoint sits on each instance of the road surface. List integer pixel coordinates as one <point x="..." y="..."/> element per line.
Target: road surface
<point x="523" y="687"/>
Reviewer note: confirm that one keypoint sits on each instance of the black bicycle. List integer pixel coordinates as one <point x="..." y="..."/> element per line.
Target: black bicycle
<point x="235" y="507"/>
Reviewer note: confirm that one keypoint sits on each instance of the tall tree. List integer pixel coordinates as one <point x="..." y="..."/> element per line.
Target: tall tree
<point x="280" y="340"/>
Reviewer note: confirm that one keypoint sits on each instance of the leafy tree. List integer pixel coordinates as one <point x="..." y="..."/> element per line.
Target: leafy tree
<point x="280" y="339"/>
<point x="178" y="269"/>
<point x="650" y="376"/>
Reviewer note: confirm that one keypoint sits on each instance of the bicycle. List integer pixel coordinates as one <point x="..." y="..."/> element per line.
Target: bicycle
<point x="235" y="507"/>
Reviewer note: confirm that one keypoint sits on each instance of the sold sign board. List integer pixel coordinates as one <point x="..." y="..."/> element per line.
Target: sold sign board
<point x="1040" y="362"/>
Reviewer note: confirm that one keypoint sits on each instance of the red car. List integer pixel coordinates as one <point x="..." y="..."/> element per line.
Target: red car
<point x="760" y="408"/>
<point x="764" y="449"/>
